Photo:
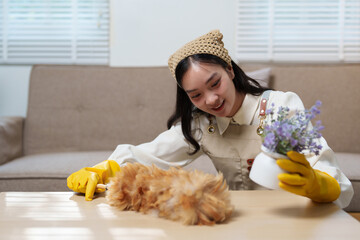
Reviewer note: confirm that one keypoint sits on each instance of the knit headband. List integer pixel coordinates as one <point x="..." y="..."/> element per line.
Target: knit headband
<point x="210" y="43"/>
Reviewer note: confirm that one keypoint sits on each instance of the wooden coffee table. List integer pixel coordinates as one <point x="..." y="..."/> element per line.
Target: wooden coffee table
<point x="258" y="215"/>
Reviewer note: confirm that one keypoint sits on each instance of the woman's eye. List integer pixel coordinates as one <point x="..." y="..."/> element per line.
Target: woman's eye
<point x="216" y="83"/>
<point x="195" y="96"/>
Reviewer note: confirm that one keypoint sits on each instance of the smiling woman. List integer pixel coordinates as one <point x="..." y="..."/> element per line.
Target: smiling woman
<point x="199" y="65"/>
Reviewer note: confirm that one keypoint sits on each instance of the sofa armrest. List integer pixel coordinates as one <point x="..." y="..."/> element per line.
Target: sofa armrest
<point x="11" y="138"/>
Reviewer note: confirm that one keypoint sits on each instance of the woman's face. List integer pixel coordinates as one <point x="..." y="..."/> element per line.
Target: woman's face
<point x="211" y="89"/>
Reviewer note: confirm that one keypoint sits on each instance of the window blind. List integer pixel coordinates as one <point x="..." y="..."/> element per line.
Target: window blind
<point x="298" y="30"/>
<point x="54" y="31"/>
<point x="2" y="42"/>
<point x="351" y="31"/>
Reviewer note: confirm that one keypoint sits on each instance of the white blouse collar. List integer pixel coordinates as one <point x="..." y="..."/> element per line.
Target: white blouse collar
<point x="244" y="115"/>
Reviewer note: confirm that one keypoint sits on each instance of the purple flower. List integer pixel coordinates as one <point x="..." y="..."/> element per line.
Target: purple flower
<point x="293" y="142"/>
<point x="269" y="141"/>
<point x="285" y="133"/>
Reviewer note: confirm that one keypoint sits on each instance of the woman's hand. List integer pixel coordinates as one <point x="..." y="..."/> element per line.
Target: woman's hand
<point x="303" y="180"/>
<point x="86" y="179"/>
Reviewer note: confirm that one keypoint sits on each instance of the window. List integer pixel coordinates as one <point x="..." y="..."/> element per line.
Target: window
<point x="54" y="31"/>
<point x="298" y="30"/>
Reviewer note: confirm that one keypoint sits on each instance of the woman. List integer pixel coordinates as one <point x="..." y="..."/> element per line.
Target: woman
<point x="217" y="114"/>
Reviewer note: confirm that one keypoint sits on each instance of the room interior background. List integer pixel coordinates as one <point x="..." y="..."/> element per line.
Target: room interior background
<point x="142" y="33"/>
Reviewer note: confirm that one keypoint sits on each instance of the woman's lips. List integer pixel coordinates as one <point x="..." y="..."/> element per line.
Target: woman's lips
<point x="220" y="107"/>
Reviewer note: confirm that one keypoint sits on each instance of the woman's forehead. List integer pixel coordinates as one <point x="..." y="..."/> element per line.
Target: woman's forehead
<point x="199" y="68"/>
<point x="200" y="74"/>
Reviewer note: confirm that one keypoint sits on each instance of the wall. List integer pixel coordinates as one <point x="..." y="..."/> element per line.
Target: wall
<point x="14" y="85"/>
<point x="146" y="33"/>
<point x="143" y="33"/>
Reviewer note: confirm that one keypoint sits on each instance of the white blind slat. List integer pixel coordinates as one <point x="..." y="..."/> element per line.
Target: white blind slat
<point x="56" y="31"/>
<point x="291" y="30"/>
<point x="351" y="31"/>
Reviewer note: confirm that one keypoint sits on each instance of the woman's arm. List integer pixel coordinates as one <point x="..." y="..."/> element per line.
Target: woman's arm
<point x="326" y="160"/>
<point x="168" y="149"/>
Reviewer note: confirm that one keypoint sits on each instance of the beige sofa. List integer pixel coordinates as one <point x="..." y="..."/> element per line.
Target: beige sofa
<point x="77" y="115"/>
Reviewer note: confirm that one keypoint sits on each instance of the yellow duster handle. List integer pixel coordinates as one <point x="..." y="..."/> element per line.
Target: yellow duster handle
<point x="102" y="186"/>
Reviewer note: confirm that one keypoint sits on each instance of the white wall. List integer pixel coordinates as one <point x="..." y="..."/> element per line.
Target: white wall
<point x="147" y="32"/>
<point x="14" y="85"/>
<point x="143" y="33"/>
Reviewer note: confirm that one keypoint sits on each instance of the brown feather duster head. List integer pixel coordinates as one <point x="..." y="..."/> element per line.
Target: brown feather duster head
<point x="192" y="197"/>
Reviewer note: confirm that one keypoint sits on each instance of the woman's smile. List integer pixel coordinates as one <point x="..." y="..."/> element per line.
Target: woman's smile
<point x="219" y="107"/>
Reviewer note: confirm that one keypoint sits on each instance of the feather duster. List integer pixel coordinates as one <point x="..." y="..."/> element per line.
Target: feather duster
<point x="191" y="197"/>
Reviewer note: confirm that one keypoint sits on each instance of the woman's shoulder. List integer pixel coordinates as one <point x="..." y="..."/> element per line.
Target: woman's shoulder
<point x="281" y="94"/>
<point x="290" y="99"/>
<point x="200" y="120"/>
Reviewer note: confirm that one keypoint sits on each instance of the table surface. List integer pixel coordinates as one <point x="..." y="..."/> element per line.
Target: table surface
<point x="258" y="215"/>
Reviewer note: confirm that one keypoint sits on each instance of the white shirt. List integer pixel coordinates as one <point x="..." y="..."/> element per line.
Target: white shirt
<point x="170" y="148"/>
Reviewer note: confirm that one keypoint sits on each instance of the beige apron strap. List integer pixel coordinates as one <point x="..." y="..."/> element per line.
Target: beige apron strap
<point x="262" y="112"/>
<point x="264" y="100"/>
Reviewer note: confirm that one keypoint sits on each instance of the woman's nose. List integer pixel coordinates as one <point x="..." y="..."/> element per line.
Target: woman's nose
<point x="211" y="99"/>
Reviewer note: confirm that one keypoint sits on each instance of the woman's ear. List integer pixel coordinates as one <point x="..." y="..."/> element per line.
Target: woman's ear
<point x="230" y="71"/>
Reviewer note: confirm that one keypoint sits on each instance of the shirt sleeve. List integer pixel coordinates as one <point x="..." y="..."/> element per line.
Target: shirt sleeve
<point x="169" y="149"/>
<point x="326" y="160"/>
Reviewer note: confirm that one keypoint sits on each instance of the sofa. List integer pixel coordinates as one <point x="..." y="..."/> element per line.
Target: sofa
<point x="77" y="115"/>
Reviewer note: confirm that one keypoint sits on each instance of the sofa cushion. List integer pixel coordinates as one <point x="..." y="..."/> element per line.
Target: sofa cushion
<point x="11" y="134"/>
<point x="45" y="172"/>
<point x="349" y="164"/>
<point x="261" y="75"/>
<point x="95" y="108"/>
<point x="48" y="171"/>
<point x="50" y="165"/>
<point x="33" y="185"/>
<point x="354" y="205"/>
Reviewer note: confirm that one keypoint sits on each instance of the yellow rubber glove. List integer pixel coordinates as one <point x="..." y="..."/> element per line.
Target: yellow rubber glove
<point x="86" y="179"/>
<point x="303" y="180"/>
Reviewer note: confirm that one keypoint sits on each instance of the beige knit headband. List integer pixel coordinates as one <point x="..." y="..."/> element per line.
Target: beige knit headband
<point x="210" y="43"/>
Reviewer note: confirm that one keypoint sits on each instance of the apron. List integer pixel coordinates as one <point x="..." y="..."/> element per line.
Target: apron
<point x="234" y="151"/>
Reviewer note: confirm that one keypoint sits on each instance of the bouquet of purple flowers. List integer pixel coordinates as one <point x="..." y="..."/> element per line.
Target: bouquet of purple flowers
<point x="292" y="133"/>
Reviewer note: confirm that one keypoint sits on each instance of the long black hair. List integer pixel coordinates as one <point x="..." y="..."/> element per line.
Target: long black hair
<point x="185" y="109"/>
